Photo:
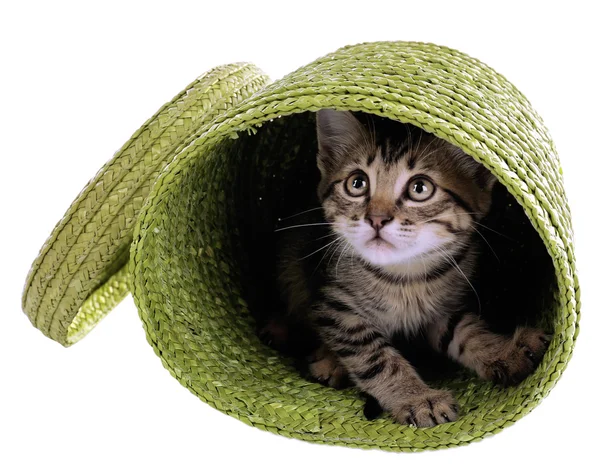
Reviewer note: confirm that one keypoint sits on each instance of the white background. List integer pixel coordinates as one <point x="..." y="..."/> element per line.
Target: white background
<point x="77" y="80"/>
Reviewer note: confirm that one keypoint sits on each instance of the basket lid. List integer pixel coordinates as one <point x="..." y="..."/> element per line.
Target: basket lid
<point x="81" y="272"/>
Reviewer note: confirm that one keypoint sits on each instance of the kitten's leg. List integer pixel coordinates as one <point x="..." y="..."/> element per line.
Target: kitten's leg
<point x="506" y="360"/>
<point x="379" y="370"/>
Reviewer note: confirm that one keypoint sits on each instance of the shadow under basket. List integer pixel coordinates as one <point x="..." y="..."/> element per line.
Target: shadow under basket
<point x="183" y="216"/>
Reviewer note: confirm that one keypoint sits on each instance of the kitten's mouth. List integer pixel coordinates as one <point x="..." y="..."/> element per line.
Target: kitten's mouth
<point x="379" y="241"/>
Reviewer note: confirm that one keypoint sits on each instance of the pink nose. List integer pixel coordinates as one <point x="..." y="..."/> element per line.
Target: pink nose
<point x="379" y="221"/>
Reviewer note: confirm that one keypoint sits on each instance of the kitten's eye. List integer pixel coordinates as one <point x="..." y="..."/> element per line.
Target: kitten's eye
<point x="357" y="184"/>
<point x="420" y="189"/>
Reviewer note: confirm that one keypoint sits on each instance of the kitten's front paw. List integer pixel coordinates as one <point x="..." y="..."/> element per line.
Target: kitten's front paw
<point x="524" y="353"/>
<point x="430" y="408"/>
<point x="326" y="369"/>
<point x="275" y="334"/>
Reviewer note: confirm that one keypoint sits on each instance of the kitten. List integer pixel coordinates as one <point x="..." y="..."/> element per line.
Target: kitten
<point x="400" y="209"/>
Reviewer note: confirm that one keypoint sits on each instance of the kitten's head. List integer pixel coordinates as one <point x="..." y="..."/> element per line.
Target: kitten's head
<point x="395" y="192"/>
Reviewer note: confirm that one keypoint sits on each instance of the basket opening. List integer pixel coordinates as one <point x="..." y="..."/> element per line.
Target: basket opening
<point x="220" y="234"/>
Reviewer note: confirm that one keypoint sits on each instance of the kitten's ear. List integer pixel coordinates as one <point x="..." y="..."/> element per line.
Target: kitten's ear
<point x="338" y="132"/>
<point x="486" y="179"/>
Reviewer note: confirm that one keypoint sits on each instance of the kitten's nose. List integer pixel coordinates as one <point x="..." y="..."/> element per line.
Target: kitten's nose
<point x="379" y="221"/>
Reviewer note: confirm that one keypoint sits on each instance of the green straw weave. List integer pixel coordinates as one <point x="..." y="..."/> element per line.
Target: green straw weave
<point x="172" y="218"/>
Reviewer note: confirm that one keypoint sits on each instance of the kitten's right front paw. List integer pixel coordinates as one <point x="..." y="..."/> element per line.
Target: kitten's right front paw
<point x="430" y="408"/>
<point x="326" y="369"/>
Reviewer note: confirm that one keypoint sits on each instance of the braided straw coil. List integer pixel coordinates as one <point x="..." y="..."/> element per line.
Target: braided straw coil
<point x="172" y="217"/>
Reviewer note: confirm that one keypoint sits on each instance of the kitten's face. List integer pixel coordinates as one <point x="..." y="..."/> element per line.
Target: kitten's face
<point x="395" y="193"/>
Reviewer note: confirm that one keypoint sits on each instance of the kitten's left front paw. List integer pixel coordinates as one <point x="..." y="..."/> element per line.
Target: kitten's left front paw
<point x="523" y="354"/>
<point x="275" y="334"/>
<point x="429" y="408"/>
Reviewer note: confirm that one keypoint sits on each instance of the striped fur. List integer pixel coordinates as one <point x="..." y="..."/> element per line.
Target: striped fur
<point x="394" y="254"/>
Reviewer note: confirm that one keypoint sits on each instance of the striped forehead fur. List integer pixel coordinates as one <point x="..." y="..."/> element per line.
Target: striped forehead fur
<point x="357" y="141"/>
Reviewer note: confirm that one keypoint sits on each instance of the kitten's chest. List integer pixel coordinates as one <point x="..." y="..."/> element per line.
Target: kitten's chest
<point x="404" y="307"/>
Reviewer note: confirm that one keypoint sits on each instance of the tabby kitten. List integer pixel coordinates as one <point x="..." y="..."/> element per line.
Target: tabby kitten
<point x="400" y="209"/>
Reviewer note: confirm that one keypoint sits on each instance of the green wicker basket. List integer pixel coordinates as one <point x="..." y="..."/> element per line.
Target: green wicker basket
<point x="172" y="217"/>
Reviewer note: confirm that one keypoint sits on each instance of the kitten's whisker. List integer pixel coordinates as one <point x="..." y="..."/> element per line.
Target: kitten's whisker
<point x="322" y="247"/>
<point x="494" y="231"/>
<point x="325" y="236"/>
<point x="445" y="216"/>
<point x="410" y="142"/>
<point x="334" y="253"/>
<point x="431" y="144"/>
<point x="327" y="251"/>
<point x="423" y="157"/>
<point x="300" y="226"/>
<point x="457" y="267"/>
<point x="301" y="213"/>
<point x="474" y="221"/>
<point x="339" y="258"/>
<point x="486" y="241"/>
<point x="418" y="143"/>
<point x="425" y="273"/>
<point x="371" y="127"/>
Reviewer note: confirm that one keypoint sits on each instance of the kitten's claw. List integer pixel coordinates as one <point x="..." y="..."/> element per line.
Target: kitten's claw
<point x="432" y="407"/>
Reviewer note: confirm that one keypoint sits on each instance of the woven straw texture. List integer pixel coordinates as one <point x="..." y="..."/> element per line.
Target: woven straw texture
<point x="210" y="172"/>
